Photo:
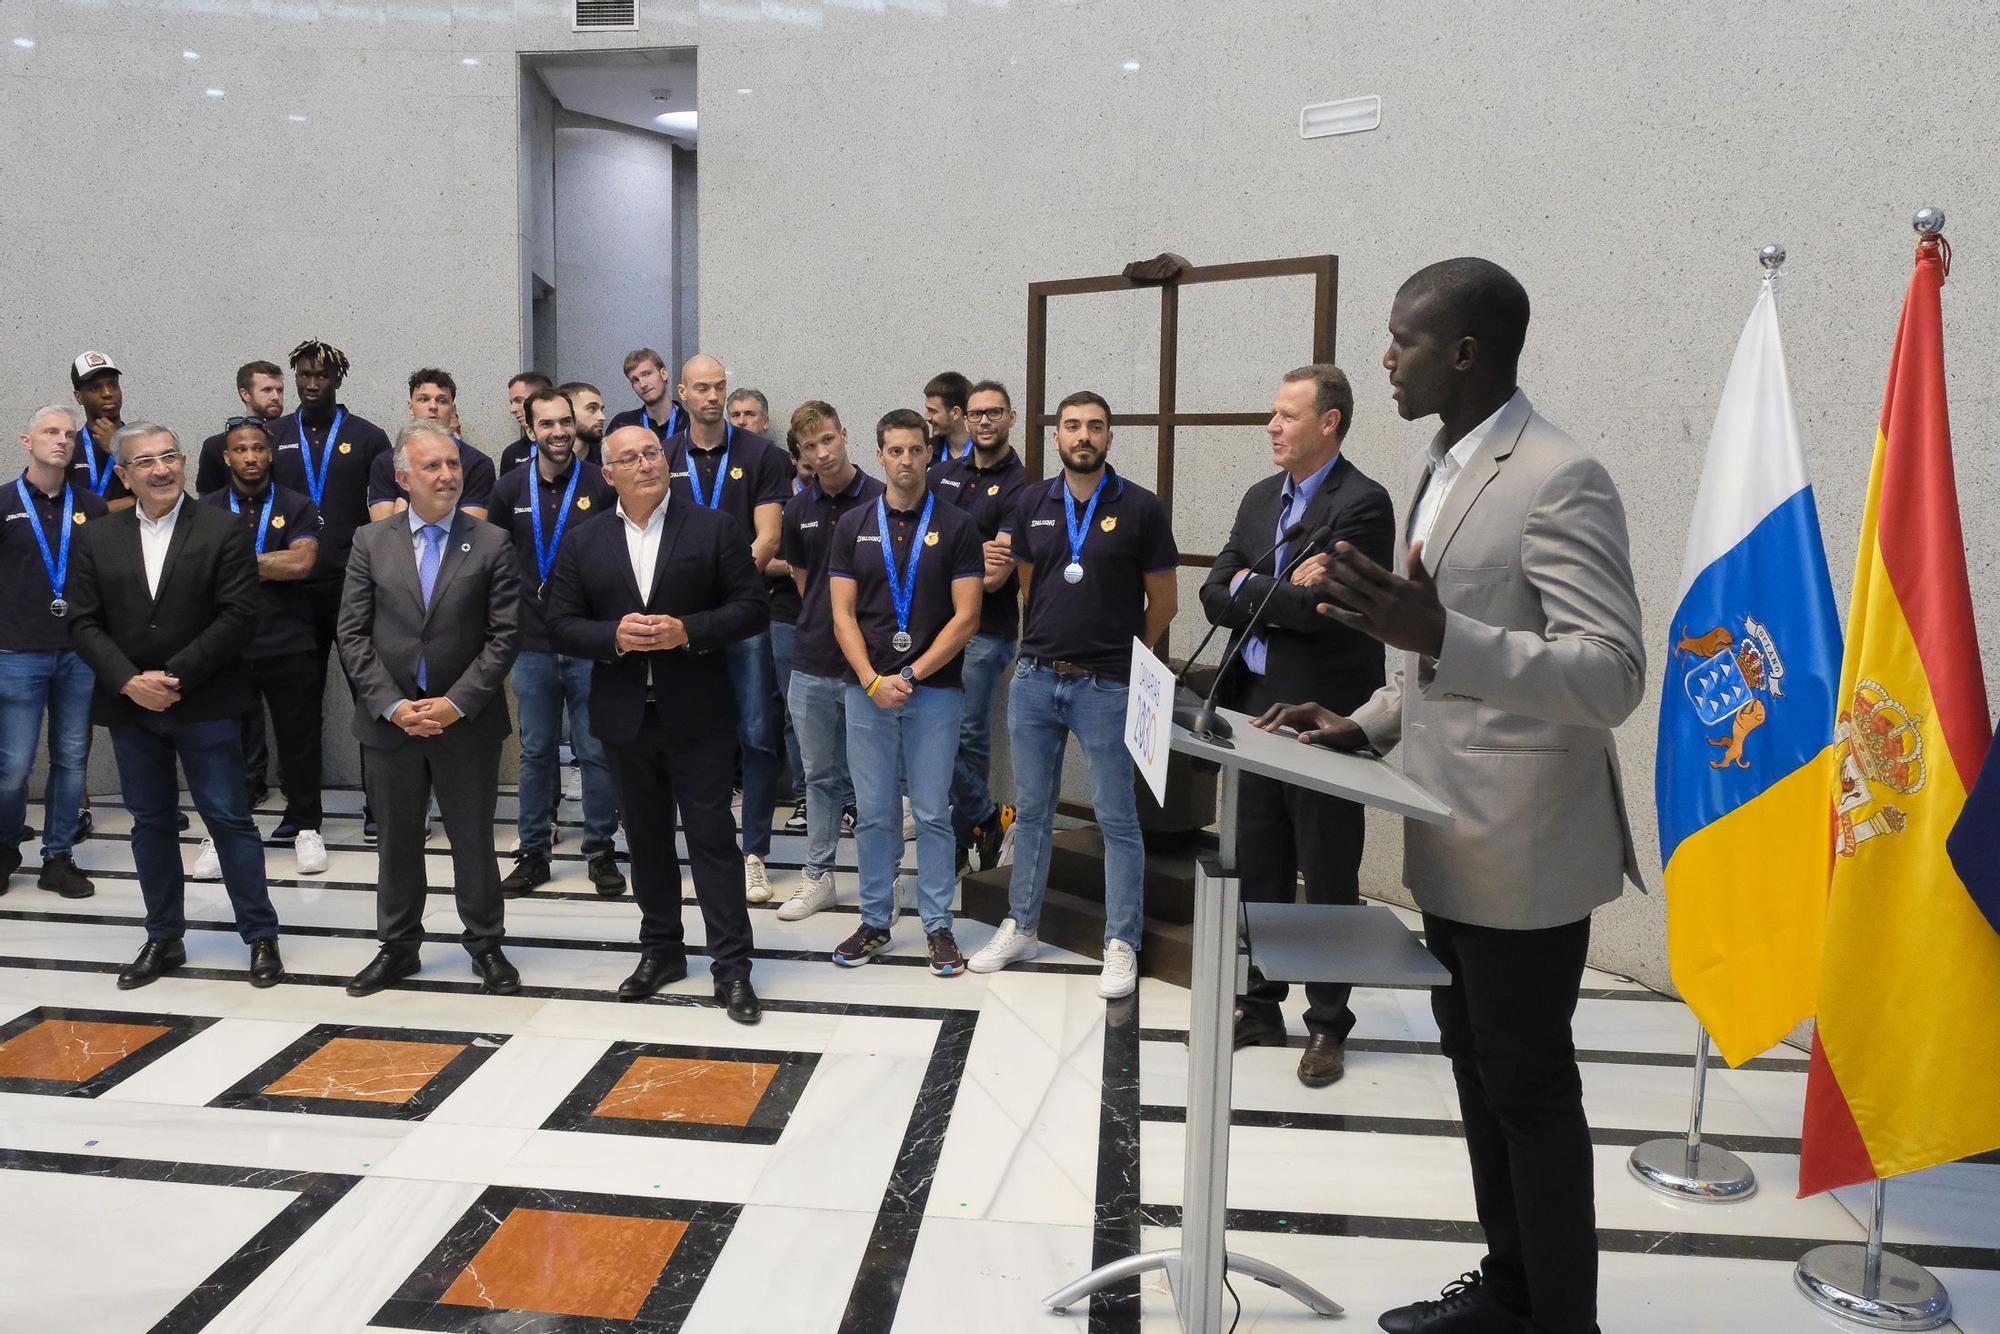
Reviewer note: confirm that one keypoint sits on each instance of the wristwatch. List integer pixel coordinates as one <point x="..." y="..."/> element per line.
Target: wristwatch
<point x="909" y="675"/>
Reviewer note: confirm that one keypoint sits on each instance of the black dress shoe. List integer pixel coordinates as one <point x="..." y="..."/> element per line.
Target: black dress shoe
<point x="266" y="968"/>
<point x="1463" y="1308"/>
<point x="181" y="821"/>
<point x="654" y="971"/>
<point x="532" y="869"/>
<point x="155" y="957"/>
<point x="389" y="966"/>
<point x="10" y="862"/>
<point x="739" y="999"/>
<point x="369" y="830"/>
<point x="502" y="978"/>
<point x="60" y="876"/>
<point x="604" y="874"/>
<point x="1323" y="1063"/>
<point x="1257" y="1028"/>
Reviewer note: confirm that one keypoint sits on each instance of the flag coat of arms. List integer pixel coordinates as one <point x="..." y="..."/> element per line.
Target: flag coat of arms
<point x="1905" y="1067"/>
<point x="1745" y="756"/>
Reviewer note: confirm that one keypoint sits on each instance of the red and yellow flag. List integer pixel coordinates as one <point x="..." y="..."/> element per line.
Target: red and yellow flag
<point x="1905" y="1067"/>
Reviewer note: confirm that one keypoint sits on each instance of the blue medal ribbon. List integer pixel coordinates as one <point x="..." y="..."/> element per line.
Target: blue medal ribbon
<point x="904" y="591"/>
<point x="1079" y="531"/>
<point x="58" y="564"/>
<point x="99" y="484"/>
<point x="721" y="470"/>
<point x="317" y="484"/>
<point x="263" y="518"/>
<point x="545" y="558"/>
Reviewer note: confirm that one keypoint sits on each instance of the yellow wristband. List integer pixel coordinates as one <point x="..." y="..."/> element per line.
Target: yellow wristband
<point x="871" y="687"/>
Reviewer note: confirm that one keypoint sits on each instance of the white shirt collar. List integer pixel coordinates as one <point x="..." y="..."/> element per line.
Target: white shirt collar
<point x="164" y="521"/>
<point x="1461" y="453"/>
<point x="657" y="518"/>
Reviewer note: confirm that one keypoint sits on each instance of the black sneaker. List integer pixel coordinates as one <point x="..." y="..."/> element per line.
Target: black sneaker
<point x="605" y="875"/>
<point x="60" y="876"/>
<point x="990" y="835"/>
<point x="848" y="818"/>
<point x="83" y="825"/>
<point x="532" y="869"/>
<point x="369" y="831"/>
<point x="286" y="833"/>
<point x="10" y="862"/>
<point x="866" y="942"/>
<point x="181" y="821"/>
<point x="946" y="958"/>
<point x="1462" y="1308"/>
<point x="797" y="824"/>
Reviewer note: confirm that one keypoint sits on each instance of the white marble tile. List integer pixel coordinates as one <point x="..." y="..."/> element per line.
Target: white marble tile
<point x="1266" y="1079"/>
<point x="818" y="1251"/>
<point x="991" y="1276"/>
<point x="704" y="1024"/>
<point x="869" y="1035"/>
<point x="659" y="1165"/>
<point x="453" y="1152"/>
<point x="229" y="1136"/>
<point x="520" y="1084"/>
<point x="209" y="1062"/>
<point x="843" y="1137"/>
<point x="166" y="1237"/>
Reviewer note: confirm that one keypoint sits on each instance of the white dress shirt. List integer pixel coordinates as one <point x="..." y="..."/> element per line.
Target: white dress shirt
<point x="155" y="535"/>
<point x="642" y="543"/>
<point x="1445" y="469"/>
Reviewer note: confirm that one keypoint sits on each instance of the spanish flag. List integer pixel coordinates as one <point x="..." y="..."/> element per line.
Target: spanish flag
<point x="1905" y="1069"/>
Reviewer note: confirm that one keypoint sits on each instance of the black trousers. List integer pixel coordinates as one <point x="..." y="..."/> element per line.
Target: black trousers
<point x="256" y="748"/>
<point x="655" y="774"/>
<point x="323" y="597"/>
<point x="1282" y="831"/>
<point x="293" y="685"/>
<point x="1504" y="1021"/>
<point x="466" y="779"/>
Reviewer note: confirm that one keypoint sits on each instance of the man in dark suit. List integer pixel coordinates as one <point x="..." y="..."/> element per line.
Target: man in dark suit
<point x="1290" y="652"/>
<point x="429" y="625"/>
<point x="162" y="601"/>
<point x="661" y="702"/>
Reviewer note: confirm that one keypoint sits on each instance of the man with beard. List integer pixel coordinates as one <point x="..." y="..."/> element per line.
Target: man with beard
<point x="984" y="482"/>
<point x="944" y="411"/>
<point x="518" y="389"/>
<point x="587" y="406"/>
<point x="260" y="388"/>
<point x="284" y="531"/>
<point x="100" y="391"/>
<point x="658" y="412"/>
<point x="433" y="398"/>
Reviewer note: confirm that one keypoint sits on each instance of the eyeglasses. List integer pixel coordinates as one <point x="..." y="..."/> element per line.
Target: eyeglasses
<point x="652" y="455"/>
<point x="150" y="461"/>
<point x="987" y="414"/>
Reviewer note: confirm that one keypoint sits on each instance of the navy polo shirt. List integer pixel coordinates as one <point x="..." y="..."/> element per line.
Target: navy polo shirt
<point x="94" y="468"/>
<point x="284" y="617"/>
<point x="760" y="473"/>
<point x="343" y="505"/>
<point x="510" y="510"/>
<point x="784" y="592"/>
<point x="1092" y="623"/>
<point x="941" y="451"/>
<point x="523" y="449"/>
<point x="807" y="540"/>
<point x="211" y="474"/>
<point x="986" y="495"/>
<point x="675" y="423"/>
<point x="950" y="553"/>
<point x="26" y="623"/>
<point x="476" y="484"/>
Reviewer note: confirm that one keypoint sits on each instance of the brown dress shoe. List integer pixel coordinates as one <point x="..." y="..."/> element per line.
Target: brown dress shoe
<point x="1324" y="1062"/>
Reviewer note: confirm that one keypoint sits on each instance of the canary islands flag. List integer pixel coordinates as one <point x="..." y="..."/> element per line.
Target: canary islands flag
<point x="1746" y="718"/>
<point x="1905" y="1066"/>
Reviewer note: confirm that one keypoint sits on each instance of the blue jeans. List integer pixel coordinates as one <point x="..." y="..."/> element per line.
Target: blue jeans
<point x="754" y="681"/>
<point x="211" y="755"/>
<point x="819" y="715"/>
<point x="782" y="635"/>
<point x="544" y="683"/>
<point x="1043" y="711"/>
<point x="986" y="660"/>
<point x="922" y="733"/>
<point x="31" y="685"/>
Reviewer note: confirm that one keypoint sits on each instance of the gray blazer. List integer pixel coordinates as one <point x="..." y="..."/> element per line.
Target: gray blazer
<point x="1511" y="723"/>
<point x="470" y="635"/>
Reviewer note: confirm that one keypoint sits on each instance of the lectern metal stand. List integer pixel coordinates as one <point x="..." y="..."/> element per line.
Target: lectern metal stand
<point x="1195" y="1268"/>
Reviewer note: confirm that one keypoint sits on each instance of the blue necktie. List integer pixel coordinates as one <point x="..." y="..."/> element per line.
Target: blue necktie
<point x="427" y="573"/>
<point x="1255" y="650"/>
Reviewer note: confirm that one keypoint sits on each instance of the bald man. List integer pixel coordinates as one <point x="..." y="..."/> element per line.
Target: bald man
<point x="715" y="464"/>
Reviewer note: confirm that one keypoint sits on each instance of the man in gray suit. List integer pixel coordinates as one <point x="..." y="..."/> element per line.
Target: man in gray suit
<point x="428" y="628"/>
<point x="1518" y="630"/>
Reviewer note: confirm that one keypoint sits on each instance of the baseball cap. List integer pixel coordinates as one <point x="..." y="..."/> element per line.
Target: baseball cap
<point x="89" y="364"/>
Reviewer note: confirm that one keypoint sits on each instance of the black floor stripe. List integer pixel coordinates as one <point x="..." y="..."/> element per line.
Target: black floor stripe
<point x="1115" y="1218"/>
<point x="1406" y="1047"/>
<point x="1450" y="1128"/>
<point x="1629" y="1241"/>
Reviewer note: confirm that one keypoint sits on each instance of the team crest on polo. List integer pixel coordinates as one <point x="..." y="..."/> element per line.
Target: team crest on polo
<point x="735" y="474"/>
<point x="930" y="539"/>
<point x="76" y="518"/>
<point x="1877" y="744"/>
<point x="277" y="521"/>
<point x="1110" y="522"/>
<point x="1734" y="684"/>
<point x="346" y="448"/>
<point x="583" y="503"/>
<point x="993" y="490"/>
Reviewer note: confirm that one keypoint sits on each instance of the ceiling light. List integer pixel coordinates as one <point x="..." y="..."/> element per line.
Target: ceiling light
<point x="743" y="92"/>
<point x="25" y="43"/>
<point x="190" y="55"/>
<point x="1348" y="116"/>
<point x="1130" y="67"/>
<point x="213" y="92"/>
<point x="468" y="60"/>
<point x="296" y="119"/>
<point x="676" y="122"/>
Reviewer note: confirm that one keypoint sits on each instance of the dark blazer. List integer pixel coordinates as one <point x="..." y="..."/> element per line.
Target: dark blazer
<point x="469" y="636"/>
<point x="1310" y="657"/>
<point x="197" y="628"/>
<point x="704" y="577"/>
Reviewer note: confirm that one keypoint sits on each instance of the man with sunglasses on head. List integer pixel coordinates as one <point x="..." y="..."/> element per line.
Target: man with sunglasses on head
<point x="260" y="385"/>
<point x="284" y="531"/>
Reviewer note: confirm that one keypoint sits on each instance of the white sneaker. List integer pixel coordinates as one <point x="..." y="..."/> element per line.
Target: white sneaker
<point x="909" y="821"/>
<point x="310" y="850"/>
<point x="813" y="893"/>
<point x="1010" y="944"/>
<point x="572" y="783"/>
<point x="1121" y="971"/>
<point x="756" y="884"/>
<point x="207" y="866"/>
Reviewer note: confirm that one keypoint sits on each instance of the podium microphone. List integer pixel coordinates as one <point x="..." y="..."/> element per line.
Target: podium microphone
<point x="1203" y="721"/>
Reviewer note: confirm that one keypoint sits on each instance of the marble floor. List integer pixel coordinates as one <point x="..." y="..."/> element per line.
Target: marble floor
<point x="887" y="1151"/>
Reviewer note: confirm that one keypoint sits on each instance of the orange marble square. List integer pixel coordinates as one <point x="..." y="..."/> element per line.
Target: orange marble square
<point x="365" y="1070"/>
<point x="714" y="1093"/>
<point x="568" y="1264"/>
<point x="73" y="1050"/>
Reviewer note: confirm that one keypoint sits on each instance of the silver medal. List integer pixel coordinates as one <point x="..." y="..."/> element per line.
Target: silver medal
<point x="1073" y="572"/>
<point x="900" y="641"/>
<point x="60" y="607"/>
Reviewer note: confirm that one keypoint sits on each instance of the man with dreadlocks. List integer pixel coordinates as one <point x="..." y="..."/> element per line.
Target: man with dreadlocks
<point x="324" y="451"/>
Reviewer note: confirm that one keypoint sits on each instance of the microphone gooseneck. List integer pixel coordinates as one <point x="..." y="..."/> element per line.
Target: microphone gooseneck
<point x="1291" y="534"/>
<point x="1204" y="721"/>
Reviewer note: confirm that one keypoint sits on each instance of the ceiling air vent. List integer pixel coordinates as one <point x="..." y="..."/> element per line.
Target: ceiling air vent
<point x="605" y="16"/>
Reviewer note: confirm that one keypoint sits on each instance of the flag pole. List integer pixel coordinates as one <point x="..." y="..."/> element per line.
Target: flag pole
<point x="1871" y="1286"/>
<point x="1685" y="1167"/>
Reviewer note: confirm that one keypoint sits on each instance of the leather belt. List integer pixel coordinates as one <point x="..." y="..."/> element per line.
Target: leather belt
<point x="1064" y="667"/>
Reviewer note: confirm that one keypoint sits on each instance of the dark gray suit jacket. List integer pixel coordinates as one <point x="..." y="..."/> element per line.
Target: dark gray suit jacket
<point x="469" y="635"/>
